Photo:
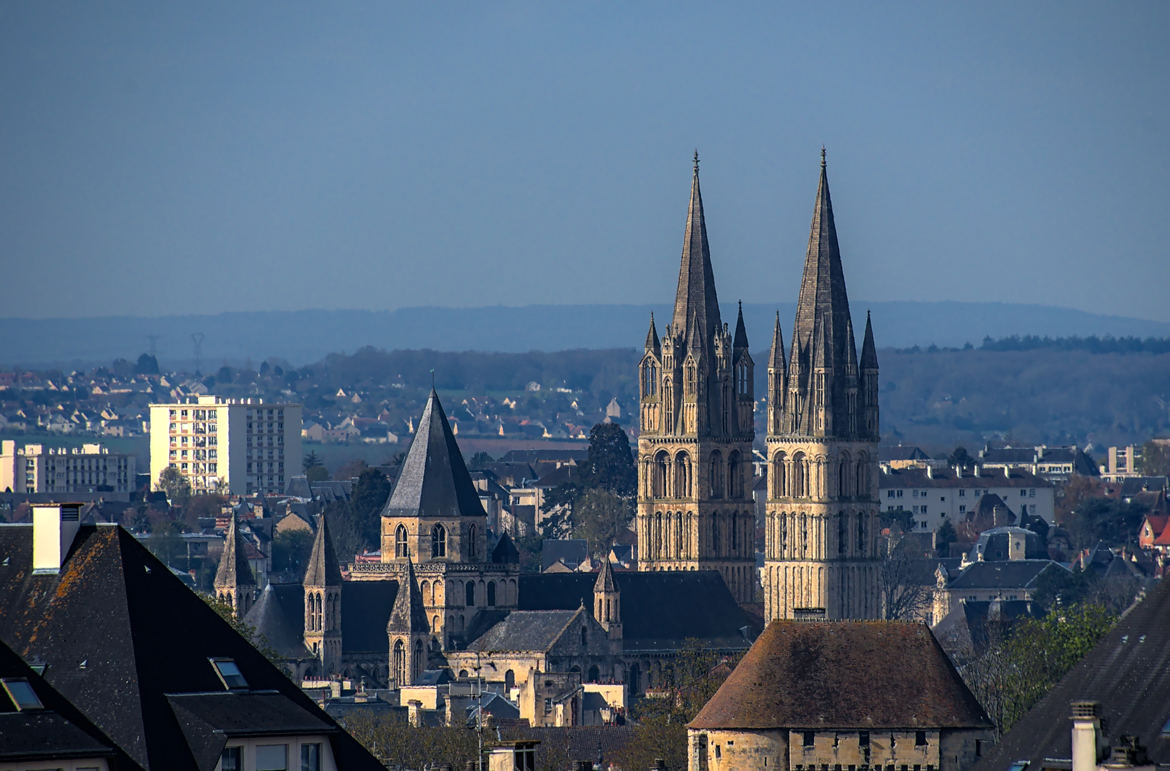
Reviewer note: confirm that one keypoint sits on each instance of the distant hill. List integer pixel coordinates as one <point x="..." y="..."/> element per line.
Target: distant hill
<point x="300" y="337"/>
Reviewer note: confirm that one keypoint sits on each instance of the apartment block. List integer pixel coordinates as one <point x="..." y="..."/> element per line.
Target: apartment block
<point x="36" y="468"/>
<point x="236" y="446"/>
<point x="935" y="496"/>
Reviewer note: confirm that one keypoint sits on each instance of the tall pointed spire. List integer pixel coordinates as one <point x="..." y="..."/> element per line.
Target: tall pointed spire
<point x="695" y="299"/>
<point x="233" y="568"/>
<point x="323" y="569"/>
<point x="653" y="344"/>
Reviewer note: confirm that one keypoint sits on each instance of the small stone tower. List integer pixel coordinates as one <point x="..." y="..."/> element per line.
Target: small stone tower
<point x="323" y="601"/>
<point x="607" y="601"/>
<point x="234" y="582"/>
<point x="407" y="631"/>
<point x="695" y="509"/>
<point x="822" y="507"/>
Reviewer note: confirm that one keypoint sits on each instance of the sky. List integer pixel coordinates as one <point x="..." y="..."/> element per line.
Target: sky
<point x="173" y="158"/>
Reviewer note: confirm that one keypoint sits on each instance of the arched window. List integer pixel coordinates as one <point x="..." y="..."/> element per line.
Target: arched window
<point x="594" y="674"/>
<point x="682" y="475"/>
<point x="667" y="406"/>
<point x="584" y="638"/>
<point x="842" y="535"/>
<point x="799" y="476"/>
<point x="399" y="662"/>
<point x="689" y="382"/>
<point x="734" y="475"/>
<point x="843" y="475"/>
<point x="734" y="532"/>
<point x="862" y="488"/>
<point x="778" y="475"/>
<point x="742" y="379"/>
<point x="472" y="552"/>
<point x="678" y="535"/>
<point x="716" y="474"/>
<point x="509" y="679"/>
<point x="715" y="533"/>
<point x="491" y="594"/>
<point x="400" y="548"/>
<point x="861" y="533"/>
<point x="649" y="378"/>
<point x="470" y="594"/>
<point x="418" y="659"/>
<point x="438" y="541"/>
<point x="660" y="465"/>
<point x="783" y="534"/>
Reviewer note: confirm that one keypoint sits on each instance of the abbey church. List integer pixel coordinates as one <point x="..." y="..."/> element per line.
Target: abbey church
<point x="449" y="595"/>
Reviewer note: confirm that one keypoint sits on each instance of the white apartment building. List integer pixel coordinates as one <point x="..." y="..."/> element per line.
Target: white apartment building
<point x="36" y="468"/>
<point x="934" y="496"/>
<point x="237" y="446"/>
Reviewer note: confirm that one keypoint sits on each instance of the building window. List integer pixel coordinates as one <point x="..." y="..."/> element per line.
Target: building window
<point x="310" y="757"/>
<point x="810" y="738"/>
<point x="400" y="547"/>
<point x="232" y="759"/>
<point x="438" y="541"/>
<point x="272" y="757"/>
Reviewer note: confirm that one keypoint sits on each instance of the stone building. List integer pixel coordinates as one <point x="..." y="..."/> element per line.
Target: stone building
<point x="821" y="548"/>
<point x="695" y="508"/>
<point x="234" y="583"/>
<point x="836" y="695"/>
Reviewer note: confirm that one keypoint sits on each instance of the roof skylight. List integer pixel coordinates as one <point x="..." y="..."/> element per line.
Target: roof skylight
<point x="21" y="693"/>
<point x="229" y="674"/>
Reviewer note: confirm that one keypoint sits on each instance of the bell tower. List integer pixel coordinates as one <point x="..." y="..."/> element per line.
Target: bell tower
<point x="822" y="508"/>
<point x="695" y="508"/>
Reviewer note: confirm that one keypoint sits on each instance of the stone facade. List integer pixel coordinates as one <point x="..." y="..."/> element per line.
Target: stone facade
<point x="821" y="519"/>
<point x="695" y="509"/>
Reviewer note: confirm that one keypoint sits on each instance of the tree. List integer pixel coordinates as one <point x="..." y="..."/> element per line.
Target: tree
<point x="904" y="596"/>
<point x="147" y="365"/>
<point x="944" y="537"/>
<point x="365" y="505"/>
<point x="480" y="460"/>
<point x="351" y="469"/>
<point x="599" y="516"/>
<point x="898" y="518"/>
<point x="201" y="507"/>
<point x="610" y="463"/>
<point x="315" y="470"/>
<point x="172" y="482"/>
<point x="1156" y="458"/>
<point x="961" y="458"/>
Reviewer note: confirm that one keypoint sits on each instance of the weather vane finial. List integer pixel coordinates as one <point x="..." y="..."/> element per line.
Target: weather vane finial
<point x="822" y="156"/>
<point x="696" y="160"/>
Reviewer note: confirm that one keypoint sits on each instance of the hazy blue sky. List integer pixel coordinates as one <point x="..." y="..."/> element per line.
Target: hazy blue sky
<point x="195" y="157"/>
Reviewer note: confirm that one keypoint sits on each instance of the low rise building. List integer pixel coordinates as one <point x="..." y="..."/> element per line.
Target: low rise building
<point x="36" y="468"/>
<point x="935" y="496"/>
<point x="1056" y="464"/>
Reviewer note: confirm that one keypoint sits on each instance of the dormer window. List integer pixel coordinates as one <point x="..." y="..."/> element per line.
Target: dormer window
<point x="229" y="674"/>
<point x="21" y="694"/>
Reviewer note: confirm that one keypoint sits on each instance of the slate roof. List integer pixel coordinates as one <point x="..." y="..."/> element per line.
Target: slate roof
<point x="659" y="610"/>
<point x="917" y="477"/>
<point x="969" y="627"/>
<point x="695" y="302"/>
<point x="901" y="453"/>
<point x="1018" y="574"/>
<point x="807" y="674"/>
<point x="505" y="551"/>
<point x="120" y="635"/>
<point x="434" y="481"/>
<point x="278" y="617"/>
<point x="570" y="551"/>
<point x="58" y="731"/>
<point x="525" y="630"/>
<point x="322" y="569"/>
<point x="993" y="544"/>
<point x="233" y="563"/>
<point x="407" y="613"/>
<point x="1127" y="672"/>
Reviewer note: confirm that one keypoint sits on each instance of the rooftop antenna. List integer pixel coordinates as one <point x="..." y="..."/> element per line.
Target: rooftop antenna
<point x="197" y="343"/>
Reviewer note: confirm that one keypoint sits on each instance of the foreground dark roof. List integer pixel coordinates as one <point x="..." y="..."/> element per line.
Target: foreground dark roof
<point x="844" y="674"/>
<point x="659" y="610"/>
<point x="1127" y="672"/>
<point x="120" y="636"/>
<point x="434" y="481"/>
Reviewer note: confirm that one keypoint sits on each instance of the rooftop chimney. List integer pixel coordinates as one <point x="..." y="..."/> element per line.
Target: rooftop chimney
<point x="54" y="528"/>
<point x="1085" y="733"/>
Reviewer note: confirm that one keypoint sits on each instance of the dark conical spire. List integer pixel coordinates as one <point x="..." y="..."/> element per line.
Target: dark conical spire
<point x="822" y="287"/>
<point x="778" y="360"/>
<point x="868" y="350"/>
<point x="323" y="569"/>
<point x="740" y="340"/>
<point x="695" y="299"/>
<point x="408" y="613"/>
<point x="233" y="568"/>
<point x="652" y="342"/>
<point x="850" y="350"/>
<point x="434" y="481"/>
<point x="604" y="582"/>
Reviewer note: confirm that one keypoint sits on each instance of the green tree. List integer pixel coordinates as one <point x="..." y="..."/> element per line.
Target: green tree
<point x="174" y="484"/>
<point x="365" y="505"/>
<point x="480" y="460"/>
<point x="944" y="537"/>
<point x="315" y="470"/>
<point x="960" y="457"/>
<point x="610" y="463"/>
<point x="147" y="365"/>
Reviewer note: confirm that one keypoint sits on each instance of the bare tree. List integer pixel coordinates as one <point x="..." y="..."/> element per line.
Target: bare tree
<point x="907" y="584"/>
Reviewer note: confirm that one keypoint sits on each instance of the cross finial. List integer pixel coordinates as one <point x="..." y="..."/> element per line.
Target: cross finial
<point x="696" y="159"/>
<point x="822" y="156"/>
<point x="432" y="379"/>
